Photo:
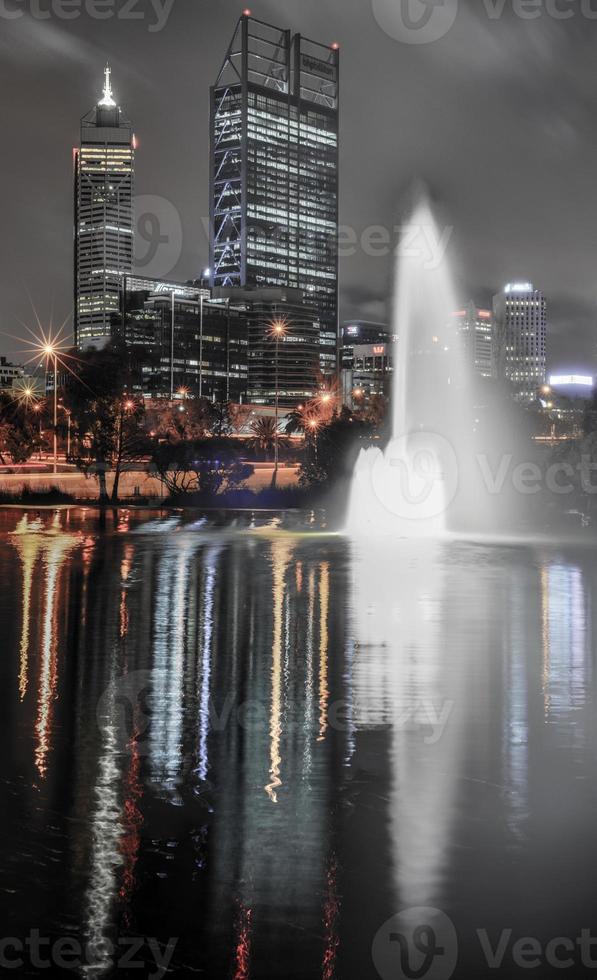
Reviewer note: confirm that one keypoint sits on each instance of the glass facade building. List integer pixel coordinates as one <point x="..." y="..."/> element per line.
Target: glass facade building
<point x="103" y="233"/>
<point x="520" y="327"/>
<point x="183" y="340"/>
<point x="274" y="171"/>
<point x="475" y="328"/>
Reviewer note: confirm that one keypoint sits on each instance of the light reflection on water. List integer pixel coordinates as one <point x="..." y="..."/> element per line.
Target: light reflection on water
<point x="266" y="744"/>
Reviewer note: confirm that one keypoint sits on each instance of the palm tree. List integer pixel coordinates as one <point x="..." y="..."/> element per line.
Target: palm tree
<point x="264" y="435"/>
<point x="301" y="419"/>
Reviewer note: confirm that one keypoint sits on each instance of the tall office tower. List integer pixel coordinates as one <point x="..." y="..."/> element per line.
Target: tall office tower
<point x="104" y="172"/>
<point x="475" y="327"/>
<point x="274" y="171"/>
<point x="520" y="326"/>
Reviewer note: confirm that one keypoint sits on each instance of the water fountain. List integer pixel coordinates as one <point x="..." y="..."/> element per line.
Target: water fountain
<point x="424" y="477"/>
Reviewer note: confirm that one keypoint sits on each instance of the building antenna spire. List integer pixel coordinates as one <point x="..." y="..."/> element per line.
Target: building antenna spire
<point x="108" y="99"/>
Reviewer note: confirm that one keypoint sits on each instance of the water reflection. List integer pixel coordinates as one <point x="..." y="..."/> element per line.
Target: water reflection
<point x="50" y="545"/>
<point x="205" y="652"/>
<point x="281" y="553"/>
<point x="404" y="680"/>
<point x="267" y="744"/>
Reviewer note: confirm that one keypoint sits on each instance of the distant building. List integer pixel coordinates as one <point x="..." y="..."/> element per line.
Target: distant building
<point x="184" y="341"/>
<point x="274" y="171"/>
<point x="372" y="368"/>
<point x="292" y="364"/>
<point x="370" y="374"/>
<point x="520" y="326"/>
<point x="359" y="332"/>
<point x="475" y="327"/>
<point x="103" y="240"/>
<point x="9" y="373"/>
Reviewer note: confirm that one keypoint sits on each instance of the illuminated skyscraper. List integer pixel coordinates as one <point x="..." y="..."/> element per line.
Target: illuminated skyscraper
<point x="274" y="170"/>
<point x="520" y="326"/>
<point x="475" y="327"/>
<point x="104" y="172"/>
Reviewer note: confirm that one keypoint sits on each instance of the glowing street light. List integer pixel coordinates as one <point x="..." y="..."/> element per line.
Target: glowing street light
<point x="278" y="330"/>
<point x="314" y="425"/>
<point x="24" y="393"/>
<point x="49" y="350"/>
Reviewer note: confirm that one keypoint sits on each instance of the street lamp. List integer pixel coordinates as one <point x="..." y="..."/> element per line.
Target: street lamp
<point x="37" y="408"/>
<point x="313" y="425"/>
<point x="278" y="330"/>
<point x="326" y="398"/>
<point x="67" y="412"/>
<point x="50" y="352"/>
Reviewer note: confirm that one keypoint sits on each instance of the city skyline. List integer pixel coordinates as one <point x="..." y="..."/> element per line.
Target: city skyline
<point x="172" y="164"/>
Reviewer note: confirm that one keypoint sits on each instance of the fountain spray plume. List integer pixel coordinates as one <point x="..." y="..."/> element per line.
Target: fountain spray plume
<point x="426" y="472"/>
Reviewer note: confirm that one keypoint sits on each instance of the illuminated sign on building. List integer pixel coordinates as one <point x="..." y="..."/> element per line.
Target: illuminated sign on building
<point x="379" y="349"/>
<point x="519" y="287"/>
<point x="580" y="380"/>
<point x="316" y="65"/>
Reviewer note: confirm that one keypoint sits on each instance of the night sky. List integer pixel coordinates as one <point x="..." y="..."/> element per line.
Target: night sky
<point x="498" y="117"/>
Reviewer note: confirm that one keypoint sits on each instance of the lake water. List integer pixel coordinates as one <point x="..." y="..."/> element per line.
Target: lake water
<point x="266" y="744"/>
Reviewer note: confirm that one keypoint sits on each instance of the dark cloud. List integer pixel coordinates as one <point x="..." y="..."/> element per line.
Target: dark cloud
<point x="497" y="117"/>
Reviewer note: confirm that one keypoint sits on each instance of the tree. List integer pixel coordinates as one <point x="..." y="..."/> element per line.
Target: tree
<point x="302" y="419"/>
<point x="19" y="436"/>
<point x="107" y="422"/>
<point x="264" y="435"/>
<point x="331" y="450"/>
<point x="238" y="415"/>
<point x="205" y="466"/>
<point x="374" y="411"/>
<point x="192" y="419"/>
<point x="575" y="463"/>
<point x="221" y="422"/>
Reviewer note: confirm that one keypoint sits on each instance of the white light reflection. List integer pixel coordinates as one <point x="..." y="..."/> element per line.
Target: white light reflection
<point x="106" y="832"/>
<point x="207" y="607"/>
<point x="401" y="674"/>
<point x="167" y="676"/>
<point x="566" y="654"/>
